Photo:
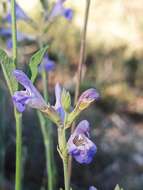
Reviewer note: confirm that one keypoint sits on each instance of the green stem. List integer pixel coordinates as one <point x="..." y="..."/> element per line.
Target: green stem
<point x="46" y="131"/>
<point x="45" y="90"/>
<point x="16" y="114"/>
<point x="47" y="137"/>
<point x="66" y="178"/>
<point x="64" y="155"/>
<point x="18" y="174"/>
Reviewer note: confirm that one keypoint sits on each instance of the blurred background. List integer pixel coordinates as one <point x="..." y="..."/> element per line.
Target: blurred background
<point x="114" y="65"/>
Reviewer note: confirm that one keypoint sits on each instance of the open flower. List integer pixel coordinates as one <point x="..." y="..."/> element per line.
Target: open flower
<point x="47" y="64"/>
<point x="80" y="146"/>
<point x="59" y="9"/>
<point x="30" y="96"/>
<point x="20" y="14"/>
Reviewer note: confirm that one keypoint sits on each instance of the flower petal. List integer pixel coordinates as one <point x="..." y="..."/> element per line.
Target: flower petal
<point x="30" y="96"/>
<point x="58" y="104"/>
<point x="80" y="146"/>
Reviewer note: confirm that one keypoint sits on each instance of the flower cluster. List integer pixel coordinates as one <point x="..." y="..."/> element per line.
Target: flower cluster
<point x="79" y="145"/>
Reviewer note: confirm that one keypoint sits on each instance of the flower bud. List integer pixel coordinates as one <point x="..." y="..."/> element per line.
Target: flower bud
<point x="87" y="98"/>
<point x="66" y="100"/>
<point x="84" y="101"/>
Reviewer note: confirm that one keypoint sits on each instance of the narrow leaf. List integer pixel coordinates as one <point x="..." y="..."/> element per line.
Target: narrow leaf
<point x="35" y="61"/>
<point x="8" y="66"/>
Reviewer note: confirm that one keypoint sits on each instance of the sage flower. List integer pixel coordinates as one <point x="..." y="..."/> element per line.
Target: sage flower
<point x="30" y="96"/>
<point x="80" y="146"/>
<point x="59" y="9"/>
<point x="47" y="64"/>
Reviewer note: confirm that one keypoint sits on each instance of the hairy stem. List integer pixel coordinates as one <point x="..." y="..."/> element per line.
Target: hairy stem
<point x="79" y="71"/>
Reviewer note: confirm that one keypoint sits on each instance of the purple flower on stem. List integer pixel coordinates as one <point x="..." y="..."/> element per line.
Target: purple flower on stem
<point x="47" y="64"/>
<point x="58" y="105"/>
<point x="30" y="96"/>
<point x="87" y="98"/>
<point x="20" y="14"/>
<point x="84" y="101"/>
<point x="59" y="9"/>
<point x="92" y="188"/>
<point x="80" y="146"/>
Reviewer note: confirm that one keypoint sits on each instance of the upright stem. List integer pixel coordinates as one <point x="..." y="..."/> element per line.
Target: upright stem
<point x="16" y="114"/>
<point x="82" y="50"/>
<point x="79" y="71"/>
<point x="46" y="131"/>
<point x="18" y="174"/>
<point x="64" y="155"/>
<point x="46" y="137"/>
<point x="66" y="178"/>
<point x="44" y="80"/>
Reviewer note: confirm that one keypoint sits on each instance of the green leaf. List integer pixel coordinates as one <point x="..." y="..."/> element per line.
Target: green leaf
<point x="8" y="66"/>
<point x="118" y="188"/>
<point x="35" y="61"/>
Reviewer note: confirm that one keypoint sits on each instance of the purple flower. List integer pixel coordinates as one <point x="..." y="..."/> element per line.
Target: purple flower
<point x="59" y="9"/>
<point x="80" y="146"/>
<point x="68" y="14"/>
<point x="47" y="64"/>
<point x="87" y="98"/>
<point x="20" y="14"/>
<point x="30" y="96"/>
<point x="58" y="105"/>
<point x="92" y="188"/>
